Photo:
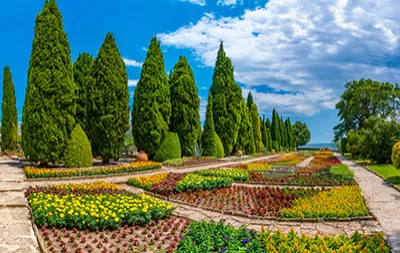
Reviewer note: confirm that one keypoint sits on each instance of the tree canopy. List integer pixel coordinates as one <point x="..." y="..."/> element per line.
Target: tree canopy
<point x="9" y="114"/>
<point x="301" y="133"/>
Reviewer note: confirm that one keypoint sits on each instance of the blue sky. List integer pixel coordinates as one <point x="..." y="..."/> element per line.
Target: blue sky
<point x="294" y="55"/>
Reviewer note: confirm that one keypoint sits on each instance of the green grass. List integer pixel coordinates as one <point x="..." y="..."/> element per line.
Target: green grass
<point x="356" y="159"/>
<point x="387" y="171"/>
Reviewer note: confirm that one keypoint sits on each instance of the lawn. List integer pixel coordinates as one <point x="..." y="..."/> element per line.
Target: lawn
<point x="387" y="171"/>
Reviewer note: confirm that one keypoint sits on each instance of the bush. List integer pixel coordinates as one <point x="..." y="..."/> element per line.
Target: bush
<point x="79" y="151"/>
<point x="342" y="171"/>
<point x="220" y="146"/>
<point x="170" y="148"/>
<point x="275" y="146"/>
<point x="396" y="155"/>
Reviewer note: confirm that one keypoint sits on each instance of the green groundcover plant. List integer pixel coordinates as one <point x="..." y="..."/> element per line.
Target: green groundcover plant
<point x="196" y="182"/>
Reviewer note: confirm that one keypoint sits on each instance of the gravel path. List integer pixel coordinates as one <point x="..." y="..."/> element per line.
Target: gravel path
<point x="382" y="199"/>
<point x="16" y="233"/>
<point x="305" y="162"/>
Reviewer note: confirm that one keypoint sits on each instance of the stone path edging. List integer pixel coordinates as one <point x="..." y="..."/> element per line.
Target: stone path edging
<point x="377" y="174"/>
<point x="382" y="199"/>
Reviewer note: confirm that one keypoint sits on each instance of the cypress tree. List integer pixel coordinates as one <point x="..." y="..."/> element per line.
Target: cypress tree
<point x="269" y="140"/>
<point x="245" y="140"/>
<point x="291" y="141"/>
<point x="250" y="100"/>
<point x="50" y="100"/>
<point x="82" y="76"/>
<point x="185" y="103"/>
<point x="255" y="119"/>
<point x="268" y="124"/>
<point x="228" y="108"/>
<point x="109" y="102"/>
<point x="9" y="114"/>
<point x="275" y="131"/>
<point x="152" y="106"/>
<point x="283" y="133"/>
<point x="263" y="132"/>
<point x="208" y="140"/>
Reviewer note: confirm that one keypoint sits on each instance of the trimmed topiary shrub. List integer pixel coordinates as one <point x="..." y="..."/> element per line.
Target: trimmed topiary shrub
<point x="79" y="151"/>
<point x="396" y="155"/>
<point x="170" y="148"/>
<point x="219" y="146"/>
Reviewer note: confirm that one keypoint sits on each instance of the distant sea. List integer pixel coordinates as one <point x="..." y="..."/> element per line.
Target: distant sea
<point x="331" y="146"/>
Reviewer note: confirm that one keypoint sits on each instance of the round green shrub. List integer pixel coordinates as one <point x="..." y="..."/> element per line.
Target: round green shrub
<point x="220" y="146"/>
<point x="396" y="155"/>
<point x="79" y="151"/>
<point x="170" y="148"/>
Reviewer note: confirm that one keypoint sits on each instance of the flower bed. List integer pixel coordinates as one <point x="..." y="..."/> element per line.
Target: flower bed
<point x="218" y="237"/>
<point x="35" y="172"/>
<point x="192" y="161"/>
<point x="287" y="160"/>
<point x="240" y="175"/>
<point x="194" y="182"/>
<point x="330" y="161"/>
<point x="341" y="202"/>
<point x="160" y="236"/>
<point x="168" y="186"/>
<point x="87" y="208"/>
<point x="258" y="166"/>
<point x="147" y="182"/>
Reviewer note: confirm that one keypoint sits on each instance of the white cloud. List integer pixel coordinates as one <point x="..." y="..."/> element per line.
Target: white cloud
<point x="132" y="63"/>
<point x="132" y="83"/>
<point x="304" y="47"/>
<point x="198" y="2"/>
<point x="229" y="2"/>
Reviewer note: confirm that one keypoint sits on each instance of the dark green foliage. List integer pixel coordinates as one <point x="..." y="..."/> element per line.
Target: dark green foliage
<point x="363" y="99"/>
<point x="245" y="140"/>
<point x="289" y="130"/>
<point x="185" y="103"/>
<point x="170" y="148"/>
<point x="108" y="108"/>
<point x="83" y="67"/>
<point x="263" y="129"/>
<point x="9" y="114"/>
<point x="282" y="131"/>
<point x="275" y="131"/>
<point x="255" y="120"/>
<point x="227" y="103"/>
<point x="250" y="100"/>
<point x="50" y="100"/>
<point x="208" y="141"/>
<point x="268" y="124"/>
<point x="79" y="151"/>
<point x="343" y="145"/>
<point x="301" y="133"/>
<point x="219" y="147"/>
<point x="269" y="141"/>
<point x="152" y="107"/>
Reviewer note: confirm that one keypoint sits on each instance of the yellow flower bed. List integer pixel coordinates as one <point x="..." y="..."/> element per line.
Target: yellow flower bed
<point x="258" y="166"/>
<point x="34" y="172"/>
<point x="341" y="202"/>
<point x="146" y="182"/>
<point x="95" y="212"/>
<point x="101" y="184"/>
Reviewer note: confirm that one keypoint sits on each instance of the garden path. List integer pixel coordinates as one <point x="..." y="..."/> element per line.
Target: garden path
<point x="124" y="178"/>
<point x="305" y="162"/>
<point x="16" y="233"/>
<point x="382" y="199"/>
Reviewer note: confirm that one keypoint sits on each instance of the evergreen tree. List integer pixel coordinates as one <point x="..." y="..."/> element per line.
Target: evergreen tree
<point x="268" y="123"/>
<point x="185" y="103"/>
<point x="109" y="102"/>
<point x="250" y="100"/>
<point x="263" y="129"/>
<point x="152" y="106"/>
<point x="275" y="131"/>
<point x="245" y="140"/>
<point x="283" y="133"/>
<point x="289" y="130"/>
<point x="227" y="102"/>
<point x="82" y="76"/>
<point x="269" y="140"/>
<point x="208" y="140"/>
<point x="9" y="114"/>
<point x="50" y="100"/>
<point x="255" y="120"/>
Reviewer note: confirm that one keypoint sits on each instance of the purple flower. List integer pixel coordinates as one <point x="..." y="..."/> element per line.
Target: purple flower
<point x="223" y="249"/>
<point x="227" y="238"/>
<point x="245" y="240"/>
<point x="252" y="232"/>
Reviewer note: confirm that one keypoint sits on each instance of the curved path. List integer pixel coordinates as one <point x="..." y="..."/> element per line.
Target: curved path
<point x="16" y="233"/>
<point x="382" y="199"/>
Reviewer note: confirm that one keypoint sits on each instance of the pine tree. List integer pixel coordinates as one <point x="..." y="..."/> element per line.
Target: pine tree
<point x="108" y="108"/>
<point x="208" y="140"/>
<point x="82" y="76"/>
<point x="185" y="103"/>
<point x="9" y="114"/>
<point x="275" y="131"/>
<point x="152" y="106"/>
<point x="291" y="141"/>
<point x="255" y="120"/>
<point x="50" y="100"/>
<point x="227" y="102"/>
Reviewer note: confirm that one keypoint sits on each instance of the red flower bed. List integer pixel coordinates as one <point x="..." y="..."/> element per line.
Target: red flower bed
<point x="163" y="235"/>
<point x="331" y="161"/>
<point x="168" y="186"/>
<point x="260" y="201"/>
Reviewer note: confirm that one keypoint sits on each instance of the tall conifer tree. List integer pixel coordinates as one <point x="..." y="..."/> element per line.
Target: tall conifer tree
<point x="291" y="141"/>
<point x="269" y="140"/>
<point x="275" y="131"/>
<point x="208" y="140"/>
<point x="255" y="120"/>
<point x="48" y="116"/>
<point x="228" y="108"/>
<point x="109" y="102"/>
<point x="283" y="133"/>
<point x="83" y="67"/>
<point x="152" y="106"/>
<point x="185" y="103"/>
<point x="9" y="114"/>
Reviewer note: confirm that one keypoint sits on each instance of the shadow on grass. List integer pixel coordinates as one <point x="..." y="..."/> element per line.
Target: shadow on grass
<point x="394" y="180"/>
